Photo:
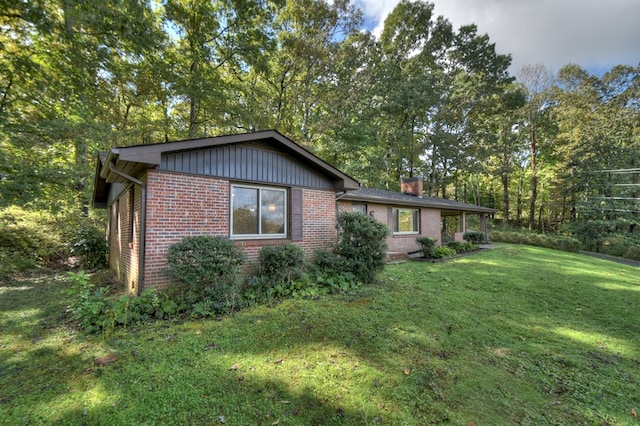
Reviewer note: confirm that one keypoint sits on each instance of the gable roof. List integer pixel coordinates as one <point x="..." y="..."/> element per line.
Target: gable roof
<point x="132" y="160"/>
<point x="396" y="198"/>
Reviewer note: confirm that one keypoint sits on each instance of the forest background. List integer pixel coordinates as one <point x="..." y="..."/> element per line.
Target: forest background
<point x="553" y="152"/>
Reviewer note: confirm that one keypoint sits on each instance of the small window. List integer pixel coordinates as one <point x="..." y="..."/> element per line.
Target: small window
<point x="132" y="211"/>
<point x="359" y="208"/>
<point x="406" y="221"/>
<point x="258" y="212"/>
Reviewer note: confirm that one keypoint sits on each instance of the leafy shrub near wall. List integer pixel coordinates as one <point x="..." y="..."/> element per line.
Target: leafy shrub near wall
<point x="428" y="246"/>
<point x="556" y="242"/>
<point x="279" y="268"/>
<point x="98" y="311"/>
<point x="361" y="245"/>
<point x="206" y="269"/>
<point x="473" y="237"/>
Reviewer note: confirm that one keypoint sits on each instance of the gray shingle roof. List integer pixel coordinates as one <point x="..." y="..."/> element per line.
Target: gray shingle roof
<point x="399" y="198"/>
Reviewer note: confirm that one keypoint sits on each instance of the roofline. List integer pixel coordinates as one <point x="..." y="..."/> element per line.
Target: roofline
<point x="151" y="154"/>
<point x="419" y="202"/>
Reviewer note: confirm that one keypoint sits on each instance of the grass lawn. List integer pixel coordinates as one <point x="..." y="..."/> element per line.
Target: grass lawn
<point x="518" y="335"/>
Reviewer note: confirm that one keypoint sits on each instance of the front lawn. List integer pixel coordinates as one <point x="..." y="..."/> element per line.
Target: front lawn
<point x="518" y="335"/>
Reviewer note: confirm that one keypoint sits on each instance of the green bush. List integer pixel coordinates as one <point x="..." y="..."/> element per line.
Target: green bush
<point x="28" y="240"/>
<point x="614" y="246"/>
<point x="97" y="311"/>
<point x="556" y="242"/>
<point x="443" y="251"/>
<point x="281" y="263"/>
<point x="278" y="269"/>
<point x="206" y="269"/>
<point x="361" y="245"/>
<point x="428" y="246"/>
<point x="462" y="247"/>
<point x="473" y="237"/>
<point x="633" y="253"/>
<point x="90" y="246"/>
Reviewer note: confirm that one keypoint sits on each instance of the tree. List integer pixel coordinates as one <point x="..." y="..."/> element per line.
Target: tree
<point x="536" y="81"/>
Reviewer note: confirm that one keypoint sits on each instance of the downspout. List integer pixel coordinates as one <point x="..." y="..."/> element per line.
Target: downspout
<point x="143" y="222"/>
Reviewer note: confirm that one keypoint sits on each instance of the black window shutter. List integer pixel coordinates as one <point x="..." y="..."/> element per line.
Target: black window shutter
<point x="296" y="214"/>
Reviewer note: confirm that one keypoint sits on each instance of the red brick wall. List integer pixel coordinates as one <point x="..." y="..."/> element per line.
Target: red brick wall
<point x="180" y="205"/>
<point x="429" y="226"/>
<point x="124" y="241"/>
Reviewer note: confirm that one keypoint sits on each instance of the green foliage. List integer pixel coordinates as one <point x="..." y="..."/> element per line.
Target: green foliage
<point x="428" y="246"/>
<point x="361" y="245"/>
<point x="473" y="237"/>
<point x="462" y="247"/>
<point x="279" y="268"/>
<point x="633" y="252"/>
<point x="443" y="251"/>
<point x="90" y="246"/>
<point x="556" y="242"/>
<point x="281" y="263"/>
<point x="206" y="269"/>
<point x="98" y="311"/>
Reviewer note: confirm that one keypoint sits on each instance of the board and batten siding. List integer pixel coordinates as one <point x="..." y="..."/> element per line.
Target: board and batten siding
<point x="245" y="163"/>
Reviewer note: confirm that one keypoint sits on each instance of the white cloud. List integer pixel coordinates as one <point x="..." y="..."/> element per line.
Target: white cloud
<point x="594" y="34"/>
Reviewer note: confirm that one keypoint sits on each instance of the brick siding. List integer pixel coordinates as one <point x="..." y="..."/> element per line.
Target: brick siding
<point x="429" y="225"/>
<point x="181" y="205"/>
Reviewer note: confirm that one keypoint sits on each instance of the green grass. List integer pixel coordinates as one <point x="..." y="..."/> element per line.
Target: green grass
<point x="519" y="335"/>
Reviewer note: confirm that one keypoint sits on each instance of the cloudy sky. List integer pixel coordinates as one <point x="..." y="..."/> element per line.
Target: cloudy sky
<point x="594" y="34"/>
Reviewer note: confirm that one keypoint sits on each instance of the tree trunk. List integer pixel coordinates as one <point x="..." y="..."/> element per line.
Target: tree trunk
<point x="505" y="197"/>
<point x="534" y="178"/>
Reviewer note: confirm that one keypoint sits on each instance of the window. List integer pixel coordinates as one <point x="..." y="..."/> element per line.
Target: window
<point x="132" y="211"/>
<point x="406" y="221"/>
<point x="258" y="212"/>
<point x="359" y="208"/>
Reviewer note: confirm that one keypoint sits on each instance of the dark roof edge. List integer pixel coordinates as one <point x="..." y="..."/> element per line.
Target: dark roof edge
<point x="418" y="202"/>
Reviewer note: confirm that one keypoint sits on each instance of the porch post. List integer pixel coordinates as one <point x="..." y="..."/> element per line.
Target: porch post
<point x="463" y="222"/>
<point x="483" y="226"/>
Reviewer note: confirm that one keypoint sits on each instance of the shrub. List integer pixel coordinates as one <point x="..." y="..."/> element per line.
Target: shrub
<point x="361" y="245"/>
<point x="28" y="240"/>
<point x="281" y="263"/>
<point x="428" y="246"/>
<point x="90" y="246"/>
<point x="633" y="253"/>
<point x="97" y="311"/>
<point x="614" y="246"/>
<point x="473" y="237"/>
<point x="556" y="242"/>
<point x="462" y="247"/>
<point x="207" y="269"/>
<point x="443" y="251"/>
<point x="278" y="268"/>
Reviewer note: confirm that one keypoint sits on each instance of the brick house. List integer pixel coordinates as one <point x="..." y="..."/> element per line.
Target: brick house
<point x="256" y="189"/>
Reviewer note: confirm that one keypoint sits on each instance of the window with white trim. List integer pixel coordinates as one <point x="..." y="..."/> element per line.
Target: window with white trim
<point x="406" y="221"/>
<point x="258" y="212"/>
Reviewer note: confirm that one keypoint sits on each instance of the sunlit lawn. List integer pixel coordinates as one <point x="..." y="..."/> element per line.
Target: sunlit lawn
<point x="518" y="335"/>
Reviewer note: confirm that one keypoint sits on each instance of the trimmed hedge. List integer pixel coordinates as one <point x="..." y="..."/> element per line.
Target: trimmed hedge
<point x="556" y="242"/>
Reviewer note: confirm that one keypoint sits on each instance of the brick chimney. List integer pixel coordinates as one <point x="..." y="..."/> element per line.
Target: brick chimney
<point x="412" y="186"/>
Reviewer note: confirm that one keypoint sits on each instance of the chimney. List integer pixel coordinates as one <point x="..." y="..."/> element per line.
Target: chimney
<point x="412" y="186"/>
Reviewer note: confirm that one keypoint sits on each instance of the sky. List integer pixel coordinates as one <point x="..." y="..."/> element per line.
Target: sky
<point x="595" y="34"/>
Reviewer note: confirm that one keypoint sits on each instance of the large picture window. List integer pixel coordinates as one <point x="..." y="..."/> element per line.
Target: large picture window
<point x="258" y="212"/>
<point x="406" y="221"/>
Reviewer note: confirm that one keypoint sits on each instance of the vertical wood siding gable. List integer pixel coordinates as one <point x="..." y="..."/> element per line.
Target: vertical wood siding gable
<point x="246" y="163"/>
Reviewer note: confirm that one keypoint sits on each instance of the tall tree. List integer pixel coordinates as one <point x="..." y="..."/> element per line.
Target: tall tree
<point x="537" y="81"/>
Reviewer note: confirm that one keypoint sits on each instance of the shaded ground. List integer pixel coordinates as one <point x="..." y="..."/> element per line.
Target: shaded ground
<point x="622" y="260"/>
